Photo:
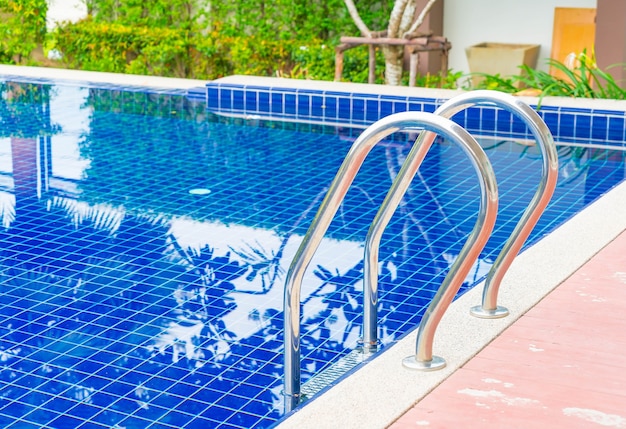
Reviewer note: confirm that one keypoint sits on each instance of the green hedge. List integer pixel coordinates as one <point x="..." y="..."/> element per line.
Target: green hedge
<point x="110" y="47"/>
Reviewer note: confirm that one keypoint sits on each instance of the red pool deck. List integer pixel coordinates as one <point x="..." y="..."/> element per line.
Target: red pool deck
<point x="561" y="365"/>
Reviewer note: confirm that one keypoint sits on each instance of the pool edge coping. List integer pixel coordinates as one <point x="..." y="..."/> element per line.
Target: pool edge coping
<point x="65" y="75"/>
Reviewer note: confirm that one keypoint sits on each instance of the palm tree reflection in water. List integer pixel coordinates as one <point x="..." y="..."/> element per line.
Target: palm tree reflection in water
<point x="107" y="294"/>
<point x="117" y="300"/>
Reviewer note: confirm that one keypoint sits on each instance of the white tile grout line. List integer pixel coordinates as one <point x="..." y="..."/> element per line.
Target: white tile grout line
<point x="380" y="393"/>
<point x="384" y="390"/>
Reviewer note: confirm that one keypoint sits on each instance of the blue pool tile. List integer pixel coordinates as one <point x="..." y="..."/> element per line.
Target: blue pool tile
<point x="47" y="415"/>
<point x="488" y="119"/>
<point x="213" y="98"/>
<point x="304" y="105"/>
<point x="575" y="110"/>
<point x="283" y="90"/>
<point x="583" y="126"/>
<point x="415" y="106"/>
<point x="358" y="109"/>
<point x="460" y="117"/>
<point x="264" y="101"/>
<point x="393" y="104"/>
<point x="616" y="129"/>
<point x="330" y="106"/>
<point x="603" y="112"/>
<point x="317" y="106"/>
<point x="226" y="98"/>
<point x="472" y="119"/>
<point x="545" y="108"/>
<point x="430" y="107"/>
<point x="255" y="88"/>
<point x="291" y="107"/>
<point x="552" y="121"/>
<point x="109" y="415"/>
<point x="519" y="127"/>
<point x="386" y="108"/>
<point x="277" y="102"/>
<point x="337" y="94"/>
<point x="372" y="110"/>
<point x="566" y="125"/>
<point x="311" y="92"/>
<point x="365" y="95"/>
<point x="66" y="422"/>
<point x="504" y="121"/>
<point x="393" y="98"/>
<point x="599" y="127"/>
<point x="400" y="106"/>
<point x="197" y="94"/>
<point x="238" y="100"/>
<point x="103" y="357"/>
<point x="344" y="111"/>
<point x="93" y="425"/>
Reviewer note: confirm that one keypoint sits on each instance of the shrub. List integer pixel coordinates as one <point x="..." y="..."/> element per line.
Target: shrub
<point x="109" y="47"/>
<point x="582" y="79"/>
<point x="22" y="29"/>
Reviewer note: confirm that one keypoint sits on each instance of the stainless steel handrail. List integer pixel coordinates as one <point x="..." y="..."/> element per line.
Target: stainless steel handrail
<point x="337" y="191"/>
<point x="528" y="220"/>
<point x="489" y="308"/>
<point x="423" y="358"/>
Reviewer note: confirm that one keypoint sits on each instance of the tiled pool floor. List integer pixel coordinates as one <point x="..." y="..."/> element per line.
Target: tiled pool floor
<point x="561" y="365"/>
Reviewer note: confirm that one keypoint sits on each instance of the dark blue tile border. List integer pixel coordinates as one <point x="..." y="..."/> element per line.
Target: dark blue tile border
<point x="567" y="124"/>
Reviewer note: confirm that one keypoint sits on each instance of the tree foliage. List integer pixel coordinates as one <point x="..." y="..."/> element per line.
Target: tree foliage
<point x="270" y="20"/>
<point x="22" y="28"/>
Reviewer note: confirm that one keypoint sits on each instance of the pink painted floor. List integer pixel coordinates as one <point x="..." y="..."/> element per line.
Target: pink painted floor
<point x="561" y="365"/>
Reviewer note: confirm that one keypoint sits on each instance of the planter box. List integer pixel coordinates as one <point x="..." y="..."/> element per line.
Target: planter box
<point x="500" y="58"/>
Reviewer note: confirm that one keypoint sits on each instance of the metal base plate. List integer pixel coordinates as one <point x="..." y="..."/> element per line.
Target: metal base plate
<point x="434" y="364"/>
<point x="497" y="313"/>
<point x="367" y="348"/>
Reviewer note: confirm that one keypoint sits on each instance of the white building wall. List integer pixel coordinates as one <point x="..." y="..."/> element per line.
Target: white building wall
<point x="468" y="22"/>
<point x="64" y="10"/>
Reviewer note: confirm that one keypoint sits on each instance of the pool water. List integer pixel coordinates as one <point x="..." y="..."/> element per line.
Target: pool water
<point x="145" y="242"/>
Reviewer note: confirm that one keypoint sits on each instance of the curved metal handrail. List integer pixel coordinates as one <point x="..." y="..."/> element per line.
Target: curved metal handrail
<point x="489" y="308"/>
<point x="423" y="358"/>
<point x="336" y="192"/>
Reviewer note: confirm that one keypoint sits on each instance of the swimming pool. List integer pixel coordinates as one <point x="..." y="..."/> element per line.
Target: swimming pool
<point x="146" y="240"/>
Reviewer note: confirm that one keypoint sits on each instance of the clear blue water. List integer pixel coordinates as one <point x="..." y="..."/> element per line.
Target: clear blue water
<point x="144" y="246"/>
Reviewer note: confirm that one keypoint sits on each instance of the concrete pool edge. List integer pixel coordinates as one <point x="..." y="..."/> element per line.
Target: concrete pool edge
<point x="378" y="396"/>
<point x="67" y="75"/>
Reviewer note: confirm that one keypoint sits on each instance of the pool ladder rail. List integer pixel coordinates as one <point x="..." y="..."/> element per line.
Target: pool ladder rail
<point x="432" y="124"/>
